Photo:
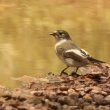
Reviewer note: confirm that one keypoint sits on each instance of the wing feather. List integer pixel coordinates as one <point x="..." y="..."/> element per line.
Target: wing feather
<point x="76" y="54"/>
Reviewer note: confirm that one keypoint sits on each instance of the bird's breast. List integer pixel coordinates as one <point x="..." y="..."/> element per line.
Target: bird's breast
<point x="59" y="44"/>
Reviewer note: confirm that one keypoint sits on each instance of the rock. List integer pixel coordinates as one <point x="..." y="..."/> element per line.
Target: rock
<point x="98" y="98"/>
<point x="73" y="94"/>
<point x="7" y="96"/>
<point x="107" y="100"/>
<point x="82" y="93"/>
<point x="96" y="90"/>
<point x="68" y="93"/>
<point x="59" y="92"/>
<point x="51" y="96"/>
<point x="37" y="107"/>
<point x="103" y="107"/>
<point x="90" y="107"/>
<point x="1" y="108"/>
<point x="9" y="108"/>
<point x="37" y="93"/>
<point x="72" y="108"/>
<point x="22" y="108"/>
<point x="36" y="101"/>
<point x="103" y="93"/>
<point x="80" y="88"/>
<point x="65" y="107"/>
<point x="63" y="88"/>
<point x="21" y="99"/>
<point x="65" y="92"/>
<point x="14" y="103"/>
<point x="66" y="100"/>
<point x="54" y="105"/>
<point x="80" y="101"/>
<point x="46" y="100"/>
<point x="87" y="98"/>
<point x="87" y="89"/>
<point x="86" y="103"/>
<point x="71" y="91"/>
<point x="1" y="103"/>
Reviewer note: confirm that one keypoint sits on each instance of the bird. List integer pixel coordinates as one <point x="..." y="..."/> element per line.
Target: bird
<point x="71" y="54"/>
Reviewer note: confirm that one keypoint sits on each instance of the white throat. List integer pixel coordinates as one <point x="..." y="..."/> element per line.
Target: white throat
<point x="60" y="42"/>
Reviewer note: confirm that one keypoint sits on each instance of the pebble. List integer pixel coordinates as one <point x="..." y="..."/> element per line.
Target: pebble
<point x="54" y="105"/>
<point x="7" y="97"/>
<point x="82" y="93"/>
<point x="51" y="96"/>
<point x="22" y="108"/>
<point x="89" y="107"/>
<point x="66" y="100"/>
<point x="64" y="88"/>
<point x="107" y="100"/>
<point x="103" y="107"/>
<point x="37" y="93"/>
<point x="96" y="90"/>
<point x="87" y="89"/>
<point x="73" y="94"/>
<point x="72" y="108"/>
<point x="59" y="92"/>
<point x="87" y="98"/>
<point x="98" y="98"/>
<point x="103" y="93"/>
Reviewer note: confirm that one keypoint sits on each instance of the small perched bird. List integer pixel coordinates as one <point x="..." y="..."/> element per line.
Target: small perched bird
<point x="69" y="53"/>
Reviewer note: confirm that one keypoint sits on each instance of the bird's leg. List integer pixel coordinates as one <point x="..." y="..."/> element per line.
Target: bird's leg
<point x="76" y="69"/>
<point x="74" y="73"/>
<point x="63" y="71"/>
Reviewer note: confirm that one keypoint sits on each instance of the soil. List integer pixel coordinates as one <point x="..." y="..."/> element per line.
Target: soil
<point x="54" y="92"/>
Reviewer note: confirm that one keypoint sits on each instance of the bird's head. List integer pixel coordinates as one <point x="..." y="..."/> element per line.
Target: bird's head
<point x="60" y="34"/>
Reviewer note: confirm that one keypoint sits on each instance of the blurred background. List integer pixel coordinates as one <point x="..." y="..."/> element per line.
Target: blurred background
<point x="25" y="45"/>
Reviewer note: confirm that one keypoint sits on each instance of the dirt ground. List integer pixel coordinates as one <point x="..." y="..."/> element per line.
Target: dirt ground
<point x="54" y="92"/>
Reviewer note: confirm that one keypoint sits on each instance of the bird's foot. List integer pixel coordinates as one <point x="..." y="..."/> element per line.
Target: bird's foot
<point x="74" y="74"/>
<point x="63" y="73"/>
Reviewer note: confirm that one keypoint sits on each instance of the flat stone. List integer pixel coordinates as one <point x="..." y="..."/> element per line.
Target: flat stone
<point x="107" y="100"/>
<point x="98" y="98"/>
<point x="54" y="105"/>
<point x="73" y="94"/>
<point x="72" y="108"/>
<point x="103" y="107"/>
<point x="89" y="107"/>
<point x="87" y="89"/>
<point x="96" y="90"/>
<point x="87" y="98"/>
<point x="63" y="88"/>
<point x="82" y="93"/>
<point x="66" y="100"/>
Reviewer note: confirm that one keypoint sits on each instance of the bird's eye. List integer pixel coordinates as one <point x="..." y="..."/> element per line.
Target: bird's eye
<point x="60" y="33"/>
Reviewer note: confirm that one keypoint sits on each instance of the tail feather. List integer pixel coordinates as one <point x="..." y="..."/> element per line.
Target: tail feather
<point x="93" y="60"/>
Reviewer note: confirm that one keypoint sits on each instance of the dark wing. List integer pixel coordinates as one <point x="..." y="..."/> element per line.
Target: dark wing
<point x="93" y="60"/>
<point x="77" y="54"/>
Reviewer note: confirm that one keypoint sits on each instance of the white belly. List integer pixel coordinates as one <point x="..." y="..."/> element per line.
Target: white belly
<point x="69" y="61"/>
<point x="73" y="63"/>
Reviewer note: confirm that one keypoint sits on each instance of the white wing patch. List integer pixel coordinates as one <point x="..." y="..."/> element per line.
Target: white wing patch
<point x="81" y="52"/>
<point x="85" y="53"/>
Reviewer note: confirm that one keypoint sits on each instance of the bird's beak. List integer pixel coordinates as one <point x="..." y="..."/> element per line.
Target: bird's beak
<point x="50" y="33"/>
<point x="53" y="34"/>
